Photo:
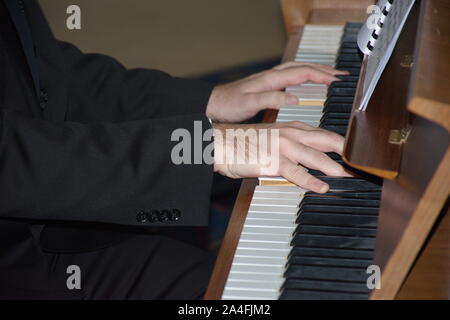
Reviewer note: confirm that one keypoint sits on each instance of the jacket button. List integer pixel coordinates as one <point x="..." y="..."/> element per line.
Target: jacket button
<point x="164" y="216"/>
<point x="43" y="99"/>
<point x="154" y="216"/>
<point x="142" y="217"/>
<point x="175" y="215"/>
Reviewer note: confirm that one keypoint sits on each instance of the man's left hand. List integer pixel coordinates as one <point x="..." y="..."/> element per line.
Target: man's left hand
<point x="240" y="100"/>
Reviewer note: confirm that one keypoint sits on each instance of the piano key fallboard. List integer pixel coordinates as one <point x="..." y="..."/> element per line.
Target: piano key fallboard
<point x="297" y="244"/>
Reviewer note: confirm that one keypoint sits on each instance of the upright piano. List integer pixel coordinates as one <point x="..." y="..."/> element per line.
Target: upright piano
<point x="283" y="242"/>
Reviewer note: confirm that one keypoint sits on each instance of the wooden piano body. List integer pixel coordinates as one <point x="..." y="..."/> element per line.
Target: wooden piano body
<point x="403" y="137"/>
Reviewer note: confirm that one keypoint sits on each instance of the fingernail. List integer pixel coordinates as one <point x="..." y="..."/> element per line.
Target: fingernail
<point x="291" y="99"/>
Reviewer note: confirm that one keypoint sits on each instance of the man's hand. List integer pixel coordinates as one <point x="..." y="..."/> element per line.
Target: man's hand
<point x="240" y="100"/>
<point x="294" y="146"/>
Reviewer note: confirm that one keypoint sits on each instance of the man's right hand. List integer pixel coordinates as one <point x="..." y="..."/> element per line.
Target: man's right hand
<point x="293" y="146"/>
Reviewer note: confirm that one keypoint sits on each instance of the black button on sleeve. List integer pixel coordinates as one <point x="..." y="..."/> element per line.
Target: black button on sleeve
<point x="154" y="216"/>
<point x="164" y="216"/>
<point x="142" y="217"/>
<point x="175" y="215"/>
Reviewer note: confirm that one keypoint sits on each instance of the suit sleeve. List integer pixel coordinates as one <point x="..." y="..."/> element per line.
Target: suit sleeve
<point x="119" y="173"/>
<point x="118" y="93"/>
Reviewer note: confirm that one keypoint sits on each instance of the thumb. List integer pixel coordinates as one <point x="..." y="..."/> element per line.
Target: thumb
<point x="270" y="100"/>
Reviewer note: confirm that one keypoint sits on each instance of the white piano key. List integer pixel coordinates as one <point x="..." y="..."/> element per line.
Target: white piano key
<point x="269" y="223"/>
<point x="272" y="208"/>
<point x="270" y="215"/>
<point x="263" y="261"/>
<point x="290" y="117"/>
<point x="265" y="238"/>
<point x="266" y="230"/>
<point x="284" y="247"/>
<point x="310" y="55"/>
<point x="247" y="252"/>
<point x="276" y="202"/>
<point x="274" y="195"/>
<point x="236" y="284"/>
<point x="248" y="295"/>
<point x="253" y="277"/>
<point x="305" y="111"/>
<point x="257" y="269"/>
<point x="299" y="117"/>
<point x="303" y="108"/>
<point x="280" y="189"/>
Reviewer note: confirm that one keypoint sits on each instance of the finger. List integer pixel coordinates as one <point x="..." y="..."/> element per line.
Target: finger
<point x="269" y="100"/>
<point x="323" y="140"/>
<point x="313" y="159"/>
<point x="280" y="79"/>
<point x="323" y="67"/>
<point x="294" y="64"/>
<point x="299" y="125"/>
<point x="298" y="175"/>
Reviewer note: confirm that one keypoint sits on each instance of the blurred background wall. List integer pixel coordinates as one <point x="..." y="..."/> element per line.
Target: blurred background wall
<point x="182" y="37"/>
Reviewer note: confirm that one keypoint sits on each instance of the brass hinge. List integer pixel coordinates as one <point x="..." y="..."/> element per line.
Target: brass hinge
<point x="407" y="61"/>
<point x="399" y="136"/>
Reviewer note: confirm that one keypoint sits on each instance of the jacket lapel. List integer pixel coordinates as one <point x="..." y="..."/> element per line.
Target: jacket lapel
<point x="17" y="15"/>
<point x="43" y="55"/>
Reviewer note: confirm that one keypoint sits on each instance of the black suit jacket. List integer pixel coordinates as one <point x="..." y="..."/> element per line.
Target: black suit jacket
<point x="93" y="145"/>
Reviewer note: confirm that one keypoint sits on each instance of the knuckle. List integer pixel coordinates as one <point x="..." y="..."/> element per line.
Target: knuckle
<point x="296" y="173"/>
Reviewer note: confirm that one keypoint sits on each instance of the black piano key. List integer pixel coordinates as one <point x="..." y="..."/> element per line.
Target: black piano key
<point x="372" y="194"/>
<point x="290" y="294"/>
<point x="323" y="285"/>
<point x="332" y="200"/>
<point x="321" y="241"/>
<point x="349" y="57"/>
<point x="353" y="25"/>
<point x="316" y="173"/>
<point x="338" y="220"/>
<point x="334" y="252"/>
<point x="348" y="51"/>
<point x="343" y="84"/>
<point x="335" y="231"/>
<point x="328" y="262"/>
<point x="334" y="115"/>
<point x="334" y="122"/>
<point x="338" y="108"/>
<point x="349" y="44"/>
<point x="326" y="273"/>
<point x="334" y="155"/>
<point x="351" y="184"/>
<point x="349" y="37"/>
<point x="346" y="100"/>
<point x="341" y="92"/>
<point x="307" y="207"/>
<point x="348" y="64"/>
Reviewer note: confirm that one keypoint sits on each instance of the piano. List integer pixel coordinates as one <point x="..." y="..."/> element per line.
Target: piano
<point x="284" y="242"/>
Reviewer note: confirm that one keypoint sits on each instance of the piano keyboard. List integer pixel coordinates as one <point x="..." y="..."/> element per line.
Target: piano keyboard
<point x="319" y="44"/>
<point x="297" y="244"/>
